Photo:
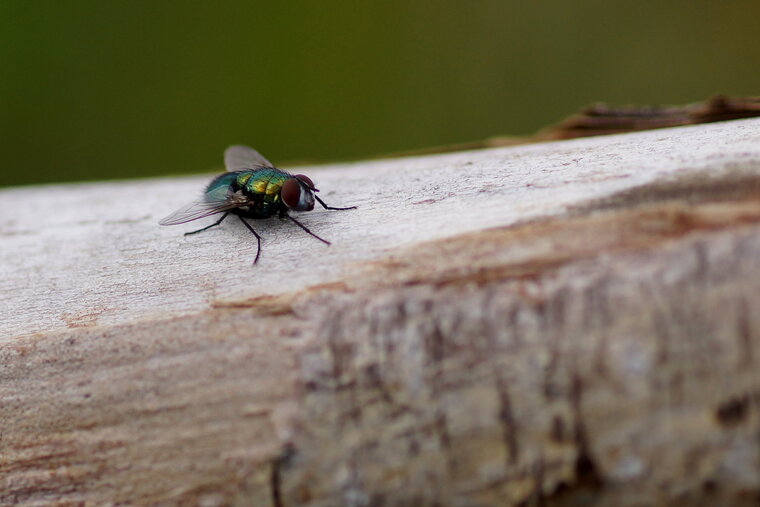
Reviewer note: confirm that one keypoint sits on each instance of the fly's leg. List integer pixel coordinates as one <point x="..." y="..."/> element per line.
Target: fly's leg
<point x="258" y="238"/>
<point x="209" y="226"/>
<point x="325" y="206"/>
<point x="302" y="226"/>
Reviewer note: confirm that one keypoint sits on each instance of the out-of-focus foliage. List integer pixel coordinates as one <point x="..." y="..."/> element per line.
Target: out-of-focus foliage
<point x="96" y="90"/>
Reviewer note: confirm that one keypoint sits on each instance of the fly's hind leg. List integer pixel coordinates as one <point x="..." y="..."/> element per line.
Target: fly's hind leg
<point x="258" y="238"/>
<point x="209" y="226"/>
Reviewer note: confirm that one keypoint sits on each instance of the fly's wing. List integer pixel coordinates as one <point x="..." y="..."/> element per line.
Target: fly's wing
<point x="196" y="210"/>
<point x="242" y="157"/>
<point x="217" y="199"/>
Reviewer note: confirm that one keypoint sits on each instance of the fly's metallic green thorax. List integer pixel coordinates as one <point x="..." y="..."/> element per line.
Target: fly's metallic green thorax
<point x="261" y="186"/>
<point x="251" y="188"/>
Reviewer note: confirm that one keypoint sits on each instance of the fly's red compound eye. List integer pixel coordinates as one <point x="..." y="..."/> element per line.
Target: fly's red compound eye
<point x="291" y="192"/>
<point x="306" y="180"/>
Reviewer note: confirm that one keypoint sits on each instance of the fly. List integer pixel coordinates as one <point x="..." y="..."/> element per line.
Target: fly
<point x="251" y="188"/>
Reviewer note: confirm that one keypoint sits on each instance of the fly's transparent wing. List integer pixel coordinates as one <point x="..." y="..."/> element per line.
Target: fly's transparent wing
<point x="242" y="157"/>
<point x="196" y="210"/>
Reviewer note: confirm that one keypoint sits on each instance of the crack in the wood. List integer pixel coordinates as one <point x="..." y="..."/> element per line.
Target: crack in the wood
<point x="538" y="497"/>
<point x="550" y="390"/>
<point x="336" y="348"/>
<point x="506" y="415"/>
<point x="558" y="430"/>
<point x="733" y="411"/>
<point x="744" y="334"/>
<point x="275" y="474"/>
<point x="507" y="422"/>
<point x="435" y="345"/>
<point x="586" y="470"/>
<point x="275" y="482"/>
<point x="660" y="323"/>
<point x="599" y="318"/>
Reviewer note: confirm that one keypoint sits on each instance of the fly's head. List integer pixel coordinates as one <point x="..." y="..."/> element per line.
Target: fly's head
<point x="298" y="193"/>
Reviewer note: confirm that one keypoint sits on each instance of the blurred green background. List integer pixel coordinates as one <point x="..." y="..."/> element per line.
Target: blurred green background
<point x="116" y="89"/>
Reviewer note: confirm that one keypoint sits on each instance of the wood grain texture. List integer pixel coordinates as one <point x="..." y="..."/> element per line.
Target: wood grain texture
<point x="558" y="323"/>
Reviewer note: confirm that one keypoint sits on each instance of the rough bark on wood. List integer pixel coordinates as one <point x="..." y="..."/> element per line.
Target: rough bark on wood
<point x="562" y="323"/>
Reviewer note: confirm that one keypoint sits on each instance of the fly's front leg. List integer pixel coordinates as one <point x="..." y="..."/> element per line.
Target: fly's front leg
<point x="325" y="206"/>
<point x="302" y="226"/>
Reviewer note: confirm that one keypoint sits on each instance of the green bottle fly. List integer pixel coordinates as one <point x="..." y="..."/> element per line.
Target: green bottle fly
<point x="252" y="188"/>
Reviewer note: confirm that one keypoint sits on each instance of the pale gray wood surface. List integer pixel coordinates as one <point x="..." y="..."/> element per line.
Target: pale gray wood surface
<point x="86" y="254"/>
<point x="413" y="356"/>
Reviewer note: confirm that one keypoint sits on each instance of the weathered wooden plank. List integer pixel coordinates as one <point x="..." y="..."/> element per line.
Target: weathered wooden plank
<point x="562" y="319"/>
